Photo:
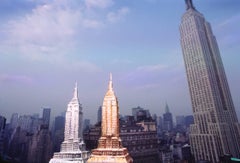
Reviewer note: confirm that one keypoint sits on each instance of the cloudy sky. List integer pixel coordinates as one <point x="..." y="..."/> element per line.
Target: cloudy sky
<point x="47" y="45"/>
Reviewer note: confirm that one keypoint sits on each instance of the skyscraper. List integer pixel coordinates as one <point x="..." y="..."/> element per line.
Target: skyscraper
<point x="110" y="148"/>
<point x="40" y="146"/>
<point x="46" y="116"/>
<point x="215" y="131"/>
<point x="99" y="114"/>
<point x="167" y="119"/>
<point x="73" y="147"/>
<point x="14" y="121"/>
<point x="2" y="128"/>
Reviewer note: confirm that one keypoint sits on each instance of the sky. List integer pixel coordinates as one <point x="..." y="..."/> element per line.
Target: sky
<point x="48" y="45"/>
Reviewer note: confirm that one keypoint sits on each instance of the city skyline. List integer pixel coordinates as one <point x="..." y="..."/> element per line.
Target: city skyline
<point x="86" y="39"/>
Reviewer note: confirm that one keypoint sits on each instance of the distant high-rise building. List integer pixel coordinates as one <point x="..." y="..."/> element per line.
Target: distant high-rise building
<point x="215" y="131"/>
<point x="18" y="145"/>
<point x="180" y="120"/>
<point x="159" y="124"/>
<point x="25" y="122"/>
<point x="2" y="128"/>
<point x="40" y="146"/>
<point x="154" y="117"/>
<point x="14" y="121"/>
<point x="167" y="119"/>
<point x="35" y="115"/>
<point x="189" y="120"/>
<point x="46" y="116"/>
<point x="59" y="123"/>
<point x="73" y="147"/>
<point x="58" y="135"/>
<point x="135" y="111"/>
<point x="86" y="124"/>
<point x="110" y="148"/>
<point x="99" y="115"/>
<point x="2" y="123"/>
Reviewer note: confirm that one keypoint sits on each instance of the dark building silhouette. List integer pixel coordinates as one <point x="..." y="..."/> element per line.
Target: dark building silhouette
<point x="2" y="130"/>
<point x="99" y="115"/>
<point x="46" y="116"/>
<point x="14" y="121"/>
<point x="189" y="120"/>
<point x="167" y="119"/>
<point x="40" y="146"/>
<point x="18" y="145"/>
<point x="58" y="134"/>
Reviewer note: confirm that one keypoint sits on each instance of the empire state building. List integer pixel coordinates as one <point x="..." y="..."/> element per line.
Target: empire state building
<point x="110" y="148"/>
<point x="73" y="147"/>
<point x="216" y="130"/>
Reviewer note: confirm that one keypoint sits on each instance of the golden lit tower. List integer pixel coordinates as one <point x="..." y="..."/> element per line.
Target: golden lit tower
<point x="110" y="147"/>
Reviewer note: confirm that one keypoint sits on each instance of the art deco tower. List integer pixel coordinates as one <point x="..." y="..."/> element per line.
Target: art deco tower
<point x="73" y="147"/>
<point x="215" y="131"/>
<point x="110" y="148"/>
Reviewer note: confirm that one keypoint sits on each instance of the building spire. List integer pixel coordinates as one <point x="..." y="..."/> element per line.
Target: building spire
<point x="167" y="108"/>
<point x="189" y="4"/>
<point x="75" y="95"/>
<point x="110" y="85"/>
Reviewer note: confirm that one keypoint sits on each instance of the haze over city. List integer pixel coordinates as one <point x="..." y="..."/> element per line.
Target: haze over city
<point x="48" y="45"/>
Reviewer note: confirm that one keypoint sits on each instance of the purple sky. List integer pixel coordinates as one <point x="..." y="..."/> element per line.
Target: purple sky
<point x="47" y="45"/>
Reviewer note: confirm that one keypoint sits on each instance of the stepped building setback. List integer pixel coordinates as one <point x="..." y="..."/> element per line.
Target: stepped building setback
<point x="73" y="147"/>
<point x="110" y="149"/>
<point x="215" y="131"/>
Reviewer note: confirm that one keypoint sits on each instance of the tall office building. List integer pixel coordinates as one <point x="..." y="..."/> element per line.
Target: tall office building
<point x="99" y="114"/>
<point x="2" y="128"/>
<point x="14" y="121"/>
<point x="215" y="131"/>
<point x="40" y="146"/>
<point x="58" y="134"/>
<point x="46" y="116"/>
<point x="110" y="147"/>
<point x="73" y="147"/>
<point x="167" y="119"/>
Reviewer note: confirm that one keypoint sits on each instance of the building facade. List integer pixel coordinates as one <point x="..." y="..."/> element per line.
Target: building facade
<point x="215" y="131"/>
<point x="73" y="147"/>
<point x="110" y="147"/>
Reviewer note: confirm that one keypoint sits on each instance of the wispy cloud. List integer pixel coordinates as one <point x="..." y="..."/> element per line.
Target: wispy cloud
<point x="227" y="31"/>
<point x="15" y="79"/>
<point x="232" y="20"/>
<point x="152" y="68"/>
<point x="152" y="76"/>
<point x="99" y="3"/>
<point x="53" y="28"/>
<point x="118" y="15"/>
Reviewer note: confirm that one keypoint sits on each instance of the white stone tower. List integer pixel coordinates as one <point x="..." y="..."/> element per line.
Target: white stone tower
<point x="73" y="147"/>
